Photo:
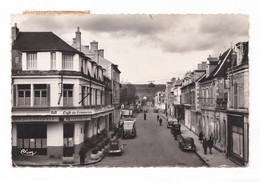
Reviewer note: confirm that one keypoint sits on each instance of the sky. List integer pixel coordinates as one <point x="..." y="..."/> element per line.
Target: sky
<point x="147" y="47"/>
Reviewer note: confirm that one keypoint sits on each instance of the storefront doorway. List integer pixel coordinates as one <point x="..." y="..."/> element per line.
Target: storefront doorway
<point x="68" y="140"/>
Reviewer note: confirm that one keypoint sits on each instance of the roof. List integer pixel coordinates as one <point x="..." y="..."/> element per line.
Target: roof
<point x="221" y="68"/>
<point x="41" y="41"/>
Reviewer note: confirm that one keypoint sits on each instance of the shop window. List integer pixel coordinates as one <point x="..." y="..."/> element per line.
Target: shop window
<point x="68" y="139"/>
<point x="31" y="61"/>
<point x="67" y="61"/>
<point x="237" y="139"/>
<point x="24" y="95"/>
<point x="68" y="95"/>
<point x="40" y="95"/>
<point x="32" y="137"/>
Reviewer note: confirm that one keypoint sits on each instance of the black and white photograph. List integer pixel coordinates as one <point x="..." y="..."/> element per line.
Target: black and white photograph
<point x="130" y="90"/>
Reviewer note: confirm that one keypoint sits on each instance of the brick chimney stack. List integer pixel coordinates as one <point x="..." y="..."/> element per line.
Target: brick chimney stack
<point x="101" y="52"/>
<point x="94" y="46"/>
<point x="15" y="32"/>
<point x="78" y="40"/>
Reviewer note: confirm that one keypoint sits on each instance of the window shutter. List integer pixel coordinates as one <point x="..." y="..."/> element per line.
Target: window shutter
<point x="48" y="94"/>
<point x="14" y="95"/>
<point x="241" y="95"/>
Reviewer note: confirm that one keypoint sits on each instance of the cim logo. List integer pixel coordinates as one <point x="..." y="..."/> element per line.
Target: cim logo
<point x="25" y="152"/>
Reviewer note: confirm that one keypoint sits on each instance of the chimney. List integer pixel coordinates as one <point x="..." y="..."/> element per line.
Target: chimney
<point x="78" y="40"/>
<point x="212" y="63"/>
<point x="87" y="47"/>
<point x="74" y="41"/>
<point x="15" y="32"/>
<point x="200" y="66"/>
<point x="101" y="52"/>
<point x="94" y="46"/>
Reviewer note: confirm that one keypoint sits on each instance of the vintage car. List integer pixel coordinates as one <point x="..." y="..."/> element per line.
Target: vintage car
<point x="176" y="129"/>
<point x="187" y="144"/>
<point x="170" y="123"/>
<point x="115" y="147"/>
<point x="129" y="129"/>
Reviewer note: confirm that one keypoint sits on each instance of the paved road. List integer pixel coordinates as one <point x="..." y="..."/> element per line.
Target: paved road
<point x="154" y="146"/>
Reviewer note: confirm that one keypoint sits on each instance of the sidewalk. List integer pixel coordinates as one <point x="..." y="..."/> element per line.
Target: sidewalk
<point x="216" y="159"/>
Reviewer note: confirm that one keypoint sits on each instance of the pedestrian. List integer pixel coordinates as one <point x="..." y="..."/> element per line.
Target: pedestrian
<point x="160" y="121"/>
<point x="158" y="117"/>
<point x="144" y="116"/>
<point x="205" y="145"/>
<point x="210" y="144"/>
<point x="82" y="155"/>
<point x="200" y="136"/>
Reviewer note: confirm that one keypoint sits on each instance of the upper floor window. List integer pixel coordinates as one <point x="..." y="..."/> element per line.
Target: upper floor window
<point x="67" y="61"/>
<point x="24" y="95"/>
<point x="31" y="61"/>
<point x="68" y="95"/>
<point x="53" y="60"/>
<point x="40" y="95"/>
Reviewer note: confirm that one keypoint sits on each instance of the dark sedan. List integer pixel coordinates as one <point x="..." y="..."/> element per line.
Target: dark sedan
<point x="187" y="144"/>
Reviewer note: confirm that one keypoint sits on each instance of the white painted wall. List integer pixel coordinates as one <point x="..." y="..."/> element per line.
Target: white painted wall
<point x="14" y="135"/>
<point x="54" y="134"/>
<point x="78" y="133"/>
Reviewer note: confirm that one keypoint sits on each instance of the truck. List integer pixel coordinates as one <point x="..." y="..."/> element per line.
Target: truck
<point x="129" y="128"/>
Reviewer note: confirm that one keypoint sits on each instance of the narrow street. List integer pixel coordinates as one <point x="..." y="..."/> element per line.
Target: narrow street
<point x="153" y="146"/>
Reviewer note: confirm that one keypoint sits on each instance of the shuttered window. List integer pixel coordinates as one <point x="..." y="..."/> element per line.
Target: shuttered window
<point x="67" y="61"/>
<point x="31" y="61"/>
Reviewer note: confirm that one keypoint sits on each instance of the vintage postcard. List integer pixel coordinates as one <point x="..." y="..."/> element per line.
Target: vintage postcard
<point x="150" y="90"/>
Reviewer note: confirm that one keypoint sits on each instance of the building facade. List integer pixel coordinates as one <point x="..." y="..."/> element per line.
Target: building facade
<point x="58" y="96"/>
<point x="238" y="105"/>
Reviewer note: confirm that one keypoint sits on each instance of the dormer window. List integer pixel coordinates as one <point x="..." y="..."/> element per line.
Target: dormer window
<point x="53" y="60"/>
<point x="67" y="61"/>
<point x="31" y="61"/>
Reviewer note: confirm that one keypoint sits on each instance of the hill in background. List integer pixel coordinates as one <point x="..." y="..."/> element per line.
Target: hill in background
<point x="143" y="90"/>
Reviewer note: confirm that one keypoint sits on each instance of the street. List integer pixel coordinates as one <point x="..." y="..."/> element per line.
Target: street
<point x="154" y="146"/>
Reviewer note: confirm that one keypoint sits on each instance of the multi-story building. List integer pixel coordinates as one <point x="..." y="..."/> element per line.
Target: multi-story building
<point x="238" y="105"/>
<point x="58" y="95"/>
<point x="110" y="70"/>
<point x="213" y="100"/>
<point x="190" y="96"/>
<point x="159" y="101"/>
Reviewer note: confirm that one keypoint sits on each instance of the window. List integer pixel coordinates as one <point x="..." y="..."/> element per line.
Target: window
<point x="24" y="95"/>
<point x="32" y="137"/>
<point x="235" y="95"/>
<point x="31" y="61"/>
<point x="237" y="139"/>
<point x="53" y="60"/>
<point x="67" y="95"/>
<point x="40" y="95"/>
<point x="67" y="61"/>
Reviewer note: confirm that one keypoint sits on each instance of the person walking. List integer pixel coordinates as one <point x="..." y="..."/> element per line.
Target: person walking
<point x="144" y="116"/>
<point x="205" y="145"/>
<point x="82" y="155"/>
<point x="200" y="136"/>
<point x="160" y="121"/>
<point x="210" y="144"/>
<point x="158" y="117"/>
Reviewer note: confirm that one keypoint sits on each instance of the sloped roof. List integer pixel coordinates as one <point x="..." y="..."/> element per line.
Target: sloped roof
<point x="41" y="41"/>
<point x="222" y="66"/>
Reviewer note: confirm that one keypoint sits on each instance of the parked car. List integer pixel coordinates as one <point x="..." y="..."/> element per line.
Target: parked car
<point x="129" y="128"/>
<point x="156" y="110"/>
<point x="115" y="147"/>
<point x="170" y="123"/>
<point x="187" y="144"/>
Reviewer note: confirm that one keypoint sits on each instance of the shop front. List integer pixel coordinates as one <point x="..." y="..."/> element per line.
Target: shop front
<point x="238" y="138"/>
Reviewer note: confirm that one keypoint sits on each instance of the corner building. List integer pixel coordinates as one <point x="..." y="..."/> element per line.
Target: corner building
<point x="58" y="96"/>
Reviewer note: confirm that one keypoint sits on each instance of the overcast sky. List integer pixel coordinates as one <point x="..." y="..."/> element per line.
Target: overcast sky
<point x="147" y="48"/>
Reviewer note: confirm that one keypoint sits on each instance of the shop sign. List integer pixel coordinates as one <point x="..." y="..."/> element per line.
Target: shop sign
<point x="34" y="119"/>
<point x="25" y="152"/>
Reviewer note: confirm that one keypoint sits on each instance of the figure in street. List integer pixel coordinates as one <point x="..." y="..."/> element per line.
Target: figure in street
<point x="160" y="121"/>
<point x="82" y="155"/>
<point x="210" y="144"/>
<point x="144" y="116"/>
<point x="158" y="117"/>
<point x="205" y="145"/>
<point x="200" y="136"/>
